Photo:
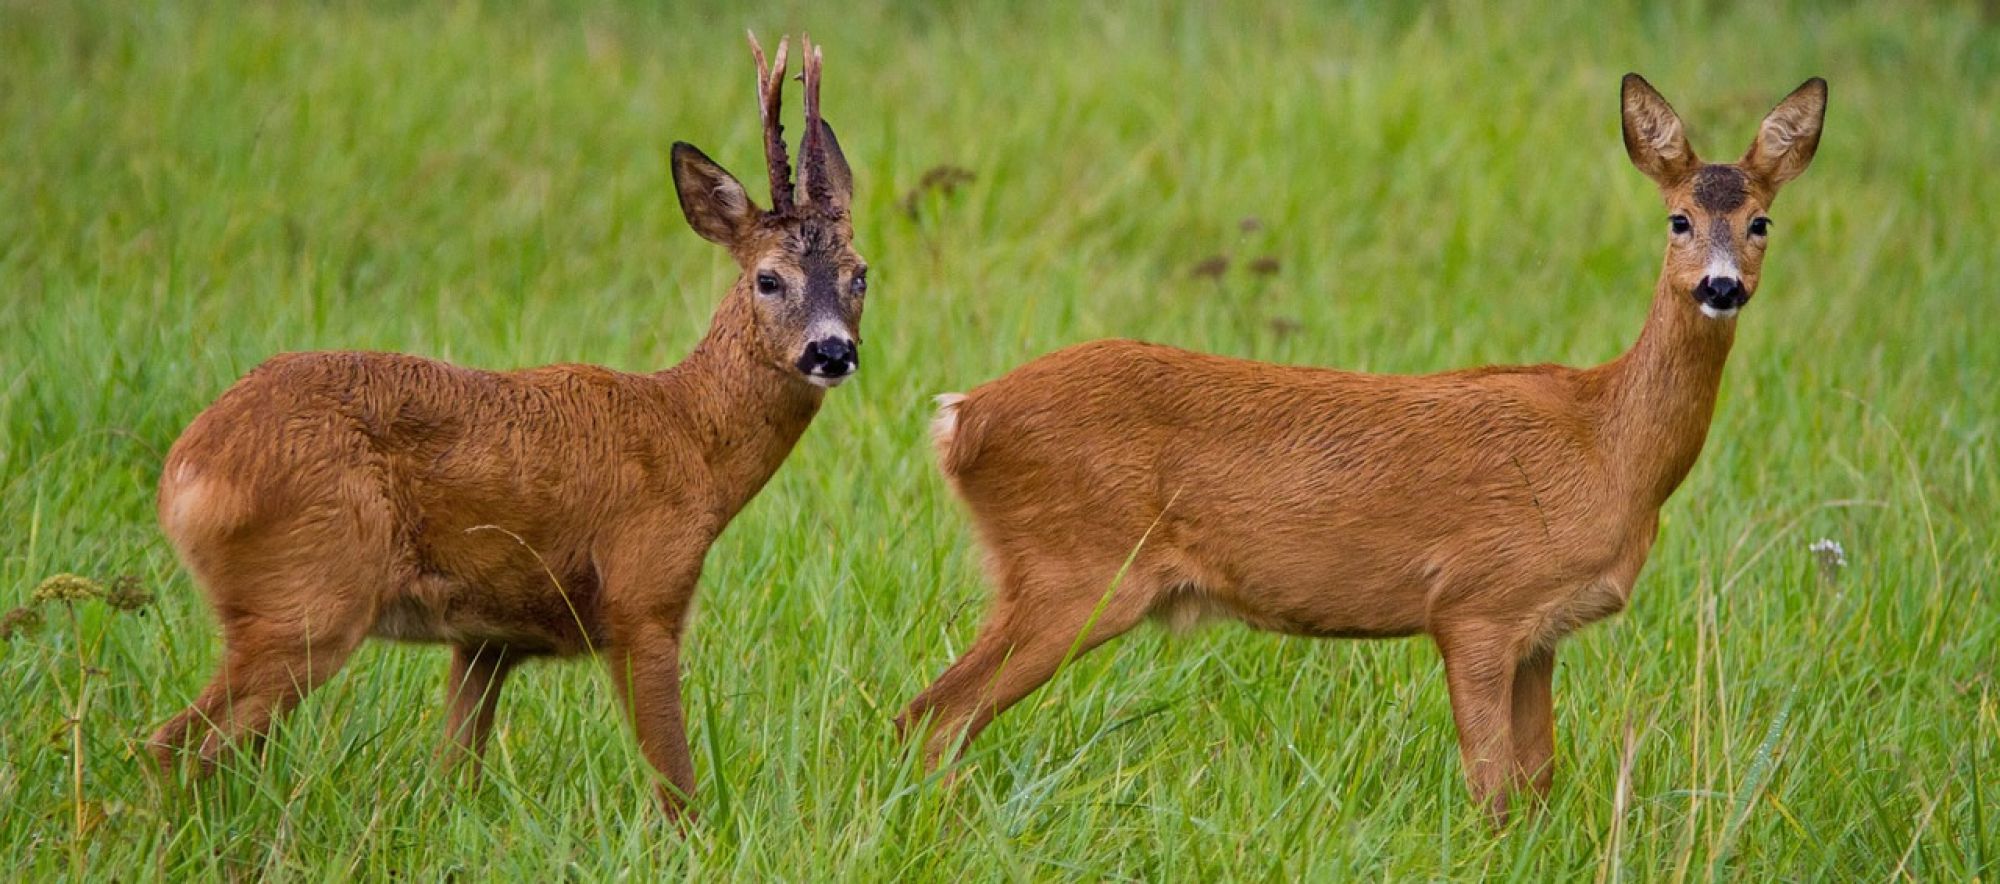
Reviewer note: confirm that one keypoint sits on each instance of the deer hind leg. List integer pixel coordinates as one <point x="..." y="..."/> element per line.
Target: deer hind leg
<point x="167" y="743"/>
<point x="472" y="695"/>
<point x="267" y="668"/>
<point x="1039" y="622"/>
<point x="290" y="620"/>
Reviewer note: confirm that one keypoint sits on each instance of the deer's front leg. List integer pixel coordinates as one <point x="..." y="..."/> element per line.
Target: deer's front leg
<point x="648" y="582"/>
<point x="645" y="669"/>
<point x="1479" y="666"/>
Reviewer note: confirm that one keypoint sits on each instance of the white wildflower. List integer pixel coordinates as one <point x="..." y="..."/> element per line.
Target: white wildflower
<point x="1829" y="556"/>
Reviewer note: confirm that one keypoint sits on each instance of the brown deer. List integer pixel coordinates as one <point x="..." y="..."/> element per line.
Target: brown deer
<point x="1495" y="509"/>
<point x="328" y="497"/>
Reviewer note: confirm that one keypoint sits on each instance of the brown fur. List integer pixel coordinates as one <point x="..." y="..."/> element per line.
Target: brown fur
<point x="327" y="497"/>
<point x="1493" y="509"/>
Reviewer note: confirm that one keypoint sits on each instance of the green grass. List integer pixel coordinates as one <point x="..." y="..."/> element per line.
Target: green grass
<point x="186" y="189"/>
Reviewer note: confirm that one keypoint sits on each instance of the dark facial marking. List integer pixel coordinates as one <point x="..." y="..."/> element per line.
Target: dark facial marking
<point x="819" y="250"/>
<point x="1720" y="188"/>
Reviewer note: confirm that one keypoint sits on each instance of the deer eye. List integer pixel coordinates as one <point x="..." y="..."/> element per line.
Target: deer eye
<point x="1760" y="226"/>
<point x="1679" y="223"/>
<point x="860" y="284"/>
<point x="770" y="284"/>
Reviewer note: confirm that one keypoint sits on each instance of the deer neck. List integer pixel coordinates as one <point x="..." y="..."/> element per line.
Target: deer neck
<point x="742" y="412"/>
<point x="1660" y="395"/>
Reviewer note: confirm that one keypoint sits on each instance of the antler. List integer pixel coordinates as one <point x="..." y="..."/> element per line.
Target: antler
<point x="770" y="102"/>
<point x="812" y="148"/>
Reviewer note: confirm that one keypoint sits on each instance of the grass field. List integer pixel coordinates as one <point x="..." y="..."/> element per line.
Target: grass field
<point x="186" y="189"/>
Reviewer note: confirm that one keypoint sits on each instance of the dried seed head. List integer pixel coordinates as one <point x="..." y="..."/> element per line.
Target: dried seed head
<point x="1211" y="267"/>
<point x="20" y="621"/>
<point x="942" y="180"/>
<point x="128" y="593"/>
<point x="67" y="588"/>
<point x="946" y="178"/>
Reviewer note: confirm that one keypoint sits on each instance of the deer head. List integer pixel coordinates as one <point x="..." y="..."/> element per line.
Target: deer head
<point x="800" y="272"/>
<point x="1718" y="219"/>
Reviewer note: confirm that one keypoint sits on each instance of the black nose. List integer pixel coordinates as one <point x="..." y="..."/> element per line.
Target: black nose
<point x="830" y="358"/>
<point x="1721" y="293"/>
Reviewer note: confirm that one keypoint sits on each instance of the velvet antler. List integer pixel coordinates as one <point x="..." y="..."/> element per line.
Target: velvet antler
<point x="770" y="103"/>
<point x="814" y="179"/>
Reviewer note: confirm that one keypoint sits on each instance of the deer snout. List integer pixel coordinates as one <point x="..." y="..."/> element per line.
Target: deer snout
<point x="829" y="360"/>
<point x="1721" y="296"/>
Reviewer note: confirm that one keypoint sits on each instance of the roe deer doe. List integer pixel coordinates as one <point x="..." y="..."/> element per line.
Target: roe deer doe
<point x="327" y="497"/>
<point x="1495" y="509"/>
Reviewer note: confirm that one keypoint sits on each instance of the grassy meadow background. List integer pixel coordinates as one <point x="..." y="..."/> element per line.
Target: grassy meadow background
<point x="188" y="188"/>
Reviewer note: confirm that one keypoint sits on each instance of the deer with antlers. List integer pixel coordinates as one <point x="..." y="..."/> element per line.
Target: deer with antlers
<point x="1494" y="509"/>
<point x="555" y="511"/>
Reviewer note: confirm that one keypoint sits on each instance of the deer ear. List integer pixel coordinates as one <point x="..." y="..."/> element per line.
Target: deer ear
<point x="839" y="178"/>
<point x="1654" y="137"/>
<point x="713" y="201"/>
<point x="1789" y="135"/>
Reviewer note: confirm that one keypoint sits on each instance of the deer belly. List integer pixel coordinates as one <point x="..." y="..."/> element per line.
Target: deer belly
<point x="1331" y="596"/>
<point x="1342" y="611"/>
<point x="442" y="609"/>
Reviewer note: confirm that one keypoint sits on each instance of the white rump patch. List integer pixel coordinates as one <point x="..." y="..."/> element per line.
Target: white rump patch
<point x="186" y="494"/>
<point x="946" y="422"/>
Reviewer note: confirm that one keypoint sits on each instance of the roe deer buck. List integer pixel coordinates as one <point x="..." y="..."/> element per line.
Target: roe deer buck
<point x="327" y="497"/>
<point x="1495" y="509"/>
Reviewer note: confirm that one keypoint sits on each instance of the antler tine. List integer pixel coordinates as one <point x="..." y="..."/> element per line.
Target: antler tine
<point x="812" y="149"/>
<point x="770" y="105"/>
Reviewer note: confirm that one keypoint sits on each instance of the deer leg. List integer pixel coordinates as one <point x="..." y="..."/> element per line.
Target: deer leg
<point x="168" y="743"/>
<point x="935" y="713"/>
<point x="267" y="669"/>
<point x="286" y="632"/>
<point x="649" y="572"/>
<point x="645" y="671"/>
<point x="295" y="599"/>
<point x="472" y="694"/>
<point x="1479" y="668"/>
<point x="1024" y="642"/>
<point x="1534" y="726"/>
